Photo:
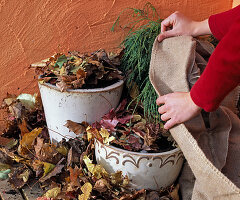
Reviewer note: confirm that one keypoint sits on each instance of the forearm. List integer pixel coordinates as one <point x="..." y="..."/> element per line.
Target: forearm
<point x="222" y="73"/>
<point x="221" y="23"/>
<point x="201" y="28"/>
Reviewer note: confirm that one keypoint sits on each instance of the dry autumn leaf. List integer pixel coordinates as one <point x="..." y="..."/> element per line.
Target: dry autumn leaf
<point x="97" y="170"/>
<point x="86" y="189"/>
<point x="105" y="135"/>
<point x="75" y="127"/>
<point x="28" y="138"/>
<point x="93" y="133"/>
<point x="53" y="193"/>
<point x="102" y="185"/>
<point x="174" y="194"/>
<point x="74" y="173"/>
<point x="81" y="74"/>
<point x="19" y="177"/>
<point x="56" y="170"/>
<point x="23" y="127"/>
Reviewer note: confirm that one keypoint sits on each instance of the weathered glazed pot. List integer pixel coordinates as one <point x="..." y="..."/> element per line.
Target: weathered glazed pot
<point x="77" y="105"/>
<point x="144" y="170"/>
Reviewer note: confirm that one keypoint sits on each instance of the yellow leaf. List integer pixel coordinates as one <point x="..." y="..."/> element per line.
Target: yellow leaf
<point x="41" y="81"/>
<point x="25" y="175"/>
<point x="88" y="163"/>
<point x="52" y="193"/>
<point x="97" y="170"/>
<point x="134" y="91"/>
<point x="28" y="138"/>
<point x="105" y="135"/>
<point x="47" y="167"/>
<point x="89" y="133"/>
<point x="62" y="71"/>
<point x="86" y="189"/>
<point x="62" y="150"/>
<point x="136" y="118"/>
<point x="118" y="179"/>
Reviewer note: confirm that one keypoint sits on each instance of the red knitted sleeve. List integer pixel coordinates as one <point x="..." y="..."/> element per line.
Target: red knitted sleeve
<point x="222" y="73"/>
<point x="220" y="23"/>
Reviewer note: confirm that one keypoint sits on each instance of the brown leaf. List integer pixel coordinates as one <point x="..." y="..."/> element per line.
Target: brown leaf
<point x="93" y="133"/>
<point x="153" y="195"/>
<point x="4" y="141"/>
<point x="75" y="127"/>
<point x="174" y="194"/>
<point x="70" y="157"/>
<point x="19" y="177"/>
<point x="54" y="172"/>
<point x="23" y="127"/>
<point x="62" y="86"/>
<point x="101" y="185"/>
<point x="38" y="146"/>
<point x="149" y="139"/>
<point x="28" y="138"/>
<point x="81" y="74"/>
<point x="77" y="84"/>
<point x="134" y="196"/>
<point x="74" y="173"/>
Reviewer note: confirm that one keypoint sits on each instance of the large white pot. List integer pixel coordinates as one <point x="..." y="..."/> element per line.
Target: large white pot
<point x="145" y="170"/>
<point x="77" y="105"/>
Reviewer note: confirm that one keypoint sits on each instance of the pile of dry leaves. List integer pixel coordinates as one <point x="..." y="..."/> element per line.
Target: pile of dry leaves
<point x="123" y="129"/>
<point x="67" y="170"/>
<point x="80" y="71"/>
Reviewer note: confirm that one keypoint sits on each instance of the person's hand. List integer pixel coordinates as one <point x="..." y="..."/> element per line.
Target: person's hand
<point x="177" y="24"/>
<point x="177" y="108"/>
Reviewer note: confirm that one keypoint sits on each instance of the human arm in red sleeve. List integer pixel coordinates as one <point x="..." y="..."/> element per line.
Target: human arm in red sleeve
<point x="220" y="23"/>
<point x="222" y="73"/>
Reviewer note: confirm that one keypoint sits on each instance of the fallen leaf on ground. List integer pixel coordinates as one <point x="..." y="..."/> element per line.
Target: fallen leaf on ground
<point x="174" y="194"/>
<point x="97" y="170"/>
<point x="28" y="138"/>
<point x="19" y="177"/>
<point x="101" y="185"/>
<point x="53" y="193"/>
<point x="86" y="189"/>
<point x="56" y="170"/>
<point x="75" y="127"/>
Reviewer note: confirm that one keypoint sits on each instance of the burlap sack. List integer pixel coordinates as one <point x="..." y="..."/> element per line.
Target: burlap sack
<point x="210" y="142"/>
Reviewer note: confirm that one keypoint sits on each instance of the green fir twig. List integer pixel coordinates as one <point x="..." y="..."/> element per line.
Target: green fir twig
<point x="137" y="55"/>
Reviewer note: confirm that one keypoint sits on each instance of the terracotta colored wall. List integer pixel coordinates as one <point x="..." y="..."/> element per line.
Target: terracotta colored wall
<point x="31" y="30"/>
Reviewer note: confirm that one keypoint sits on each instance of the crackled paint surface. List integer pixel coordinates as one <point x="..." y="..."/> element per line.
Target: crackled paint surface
<point x="31" y="30"/>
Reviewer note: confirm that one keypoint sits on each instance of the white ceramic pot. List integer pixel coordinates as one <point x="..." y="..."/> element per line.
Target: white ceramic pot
<point x="77" y="105"/>
<point x="144" y="170"/>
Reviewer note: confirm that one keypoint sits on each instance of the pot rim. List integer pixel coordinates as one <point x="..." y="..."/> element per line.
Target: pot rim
<point x="114" y="86"/>
<point x="177" y="149"/>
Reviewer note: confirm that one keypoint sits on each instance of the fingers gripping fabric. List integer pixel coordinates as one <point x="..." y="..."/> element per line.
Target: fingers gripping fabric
<point x="171" y="62"/>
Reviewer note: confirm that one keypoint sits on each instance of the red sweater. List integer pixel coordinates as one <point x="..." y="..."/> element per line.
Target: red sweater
<point x="222" y="73"/>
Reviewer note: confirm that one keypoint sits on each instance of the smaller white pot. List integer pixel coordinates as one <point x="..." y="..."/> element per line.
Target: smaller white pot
<point x="77" y="105"/>
<point x="145" y="170"/>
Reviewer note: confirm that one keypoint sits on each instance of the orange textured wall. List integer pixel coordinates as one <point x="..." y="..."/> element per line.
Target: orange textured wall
<point x="31" y="30"/>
